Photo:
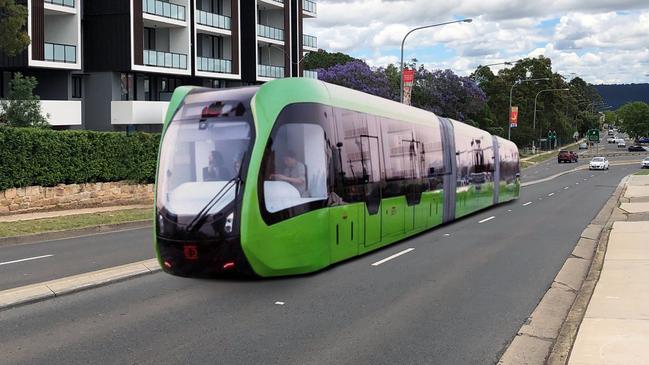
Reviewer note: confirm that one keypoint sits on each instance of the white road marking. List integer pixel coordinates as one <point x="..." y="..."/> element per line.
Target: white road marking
<point x="576" y="183"/>
<point x="392" y="257"/>
<point x="585" y="179"/>
<point x="487" y="219"/>
<point x="592" y="175"/>
<point x="526" y="204"/>
<point x="566" y="188"/>
<point x="550" y="194"/>
<point x="446" y="235"/>
<point x="279" y="303"/>
<point x="509" y="210"/>
<point x="26" y="259"/>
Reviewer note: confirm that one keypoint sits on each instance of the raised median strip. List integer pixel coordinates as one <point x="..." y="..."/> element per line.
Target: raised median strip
<point x="548" y="333"/>
<point x="580" y="168"/>
<point x="72" y="284"/>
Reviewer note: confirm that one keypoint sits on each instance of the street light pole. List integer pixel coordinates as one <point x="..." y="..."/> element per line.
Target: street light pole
<point x="535" y="100"/>
<point x="416" y="29"/>
<point x="289" y="56"/>
<point x="511" y="93"/>
<point x="508" y="63"/>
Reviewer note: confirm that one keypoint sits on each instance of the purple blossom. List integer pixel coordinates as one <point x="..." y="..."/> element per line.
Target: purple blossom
<point x="359" y="76"/>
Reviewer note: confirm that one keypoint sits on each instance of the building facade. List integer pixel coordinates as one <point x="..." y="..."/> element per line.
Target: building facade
<point x="113" y="65"/>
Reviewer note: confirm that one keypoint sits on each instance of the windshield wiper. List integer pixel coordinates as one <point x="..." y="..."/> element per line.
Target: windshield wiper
<point x="202" y="214"/>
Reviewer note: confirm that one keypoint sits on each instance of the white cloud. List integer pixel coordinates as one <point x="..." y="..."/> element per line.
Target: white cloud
<point x="601" y="40"/>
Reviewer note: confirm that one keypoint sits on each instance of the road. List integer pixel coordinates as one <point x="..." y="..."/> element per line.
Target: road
<point x="459" y="296"/>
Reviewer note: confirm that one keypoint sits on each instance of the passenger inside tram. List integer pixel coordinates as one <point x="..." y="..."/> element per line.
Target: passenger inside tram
<point x="294" y="173"/>
<point x="216" y="169"/>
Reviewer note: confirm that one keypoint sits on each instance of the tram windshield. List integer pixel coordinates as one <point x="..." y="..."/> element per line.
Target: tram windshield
<point x="201" y="158"/>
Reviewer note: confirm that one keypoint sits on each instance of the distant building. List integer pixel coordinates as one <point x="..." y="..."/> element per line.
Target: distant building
<point x="113" y="65"/>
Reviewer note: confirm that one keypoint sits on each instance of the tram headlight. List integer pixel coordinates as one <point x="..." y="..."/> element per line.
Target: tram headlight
<point x="228" y="223"/>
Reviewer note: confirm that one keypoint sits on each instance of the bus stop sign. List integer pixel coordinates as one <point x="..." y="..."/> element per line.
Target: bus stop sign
<point x="593" y="135"/>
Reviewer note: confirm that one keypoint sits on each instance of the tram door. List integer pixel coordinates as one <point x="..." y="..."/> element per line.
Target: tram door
<point x="371" y="164"/>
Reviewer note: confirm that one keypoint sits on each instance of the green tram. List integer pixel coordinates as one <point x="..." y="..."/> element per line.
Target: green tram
<point x="297" y="174"/>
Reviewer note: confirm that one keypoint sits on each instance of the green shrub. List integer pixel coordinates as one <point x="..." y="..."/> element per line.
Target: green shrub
<point x="32" y="156"/>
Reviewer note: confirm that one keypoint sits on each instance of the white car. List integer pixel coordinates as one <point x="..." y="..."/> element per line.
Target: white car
<point x="621" y="143"/>
<point x="598" y="163"/>
<point x="645" y="163"/>
<point x="611" y="140"/>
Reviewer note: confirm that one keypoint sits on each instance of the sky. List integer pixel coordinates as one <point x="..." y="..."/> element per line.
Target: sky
<point x="601" y="41"/>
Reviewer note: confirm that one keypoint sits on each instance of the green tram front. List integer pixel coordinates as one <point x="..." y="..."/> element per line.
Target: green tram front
<point x="203" y="161"/>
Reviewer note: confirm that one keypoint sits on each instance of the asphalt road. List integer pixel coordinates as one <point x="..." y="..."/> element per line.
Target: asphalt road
<point x="458" y="297"/>
<point x="42" y="261"/>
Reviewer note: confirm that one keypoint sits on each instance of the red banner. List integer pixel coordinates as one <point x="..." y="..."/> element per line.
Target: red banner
<point x="513" y="117"/>
<point x="408" y="77"/>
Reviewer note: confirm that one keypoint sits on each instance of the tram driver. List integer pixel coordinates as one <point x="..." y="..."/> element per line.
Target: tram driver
<point x="294" y="173"/>
<point x="216" y="169"/>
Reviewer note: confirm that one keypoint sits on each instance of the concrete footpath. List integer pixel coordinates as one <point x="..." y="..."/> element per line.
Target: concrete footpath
<point x="615" y="327"/>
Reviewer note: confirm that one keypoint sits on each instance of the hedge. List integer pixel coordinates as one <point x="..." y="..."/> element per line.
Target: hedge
<point x="31" y="156"/>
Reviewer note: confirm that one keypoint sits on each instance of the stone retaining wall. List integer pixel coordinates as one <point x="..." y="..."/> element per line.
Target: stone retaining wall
<point x="38" y="198"/>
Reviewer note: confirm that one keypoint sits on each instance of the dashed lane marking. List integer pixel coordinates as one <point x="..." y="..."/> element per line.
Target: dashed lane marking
<point x="487" y="219"/>
<point x="25" y="259"/>
<point x="392" y="257"/>
<point x="526" y="204"/>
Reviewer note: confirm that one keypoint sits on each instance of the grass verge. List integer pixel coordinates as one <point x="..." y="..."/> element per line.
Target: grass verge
<point x="642" y="172"/>
<point x="22" y="228"/>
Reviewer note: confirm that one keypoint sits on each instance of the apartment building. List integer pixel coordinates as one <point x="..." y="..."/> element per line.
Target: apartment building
<point x="113" y="65"/>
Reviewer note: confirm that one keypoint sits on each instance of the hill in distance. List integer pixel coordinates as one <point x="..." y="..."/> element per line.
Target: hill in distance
<point x="618" y="95"/>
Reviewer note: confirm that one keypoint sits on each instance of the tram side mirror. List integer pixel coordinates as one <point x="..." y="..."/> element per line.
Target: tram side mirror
<point x="366" y="178"/>
<point x="339" y="145"/>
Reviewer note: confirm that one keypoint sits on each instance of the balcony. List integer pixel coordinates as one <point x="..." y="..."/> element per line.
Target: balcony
<point x="213" y="20"/>
<point x="164" y="9"/>
<point x="270" y="32"/>
<point x="270" y="71"/>
<point x="310" y="74"/>
<point x="310" y="8"/>
<point x="55" y="52"/>
<point x="165" y="59"/>
<point x="138" y="112"/>
<point x="206" y="64"/>
<point x="310" y="41"/>
<point x="68" y="3"/>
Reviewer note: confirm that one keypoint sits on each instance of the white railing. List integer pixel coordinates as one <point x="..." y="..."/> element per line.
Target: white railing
<point x="270" y="71"/>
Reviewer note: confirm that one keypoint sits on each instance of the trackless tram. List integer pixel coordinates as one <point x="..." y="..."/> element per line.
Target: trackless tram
<point x="297" y="174"/>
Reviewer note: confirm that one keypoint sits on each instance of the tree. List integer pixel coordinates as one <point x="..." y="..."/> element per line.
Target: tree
<point x="447" y="94"/>
<point x="359" y="76"/>
<point x="22" y="108"/>
<point x="634" y="119"/>
<point x="13" y="36"/>
<point x="324" y="59"/>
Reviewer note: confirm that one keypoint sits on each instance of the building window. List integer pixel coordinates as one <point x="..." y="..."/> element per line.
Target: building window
<point x="77" y="85"/>
<point x="127" y="83"/>
<point x="149" y="38"/>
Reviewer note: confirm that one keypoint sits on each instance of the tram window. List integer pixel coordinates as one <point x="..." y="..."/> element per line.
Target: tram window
<point x="400" y="149"/>
<point x="509" y="168"/>
<point x="295" y="168"/>
<point x="430" y="159"/>
<point x="474" y="153"/>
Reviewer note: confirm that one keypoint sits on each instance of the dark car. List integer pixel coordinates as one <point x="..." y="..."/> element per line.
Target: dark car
<point x="567" y="156"/>
<point x="643" y="140"/>
<point x="636" y="149"/>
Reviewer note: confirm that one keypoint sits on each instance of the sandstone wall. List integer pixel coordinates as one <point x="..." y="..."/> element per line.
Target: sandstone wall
<point x="38" y="198"/>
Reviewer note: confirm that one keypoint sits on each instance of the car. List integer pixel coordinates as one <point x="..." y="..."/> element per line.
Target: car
<point x="643" y="140"/>
<point x="610" y="132"/>
<point x="621" y="143"/>
<point x="598" y="163"/>
<point x="583" y="146"/>
<point x="567" y="156"/>
<point x="611" y="140"/>
<point x="645" y="163"/>
<point x="636" y="148"/>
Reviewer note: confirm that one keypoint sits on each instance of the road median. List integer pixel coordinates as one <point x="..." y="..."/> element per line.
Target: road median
<point x="55" y="288"/>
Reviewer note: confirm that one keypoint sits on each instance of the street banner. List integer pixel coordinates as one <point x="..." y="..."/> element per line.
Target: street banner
<point x="408" y="81"/>
<point x="513" y="117"/>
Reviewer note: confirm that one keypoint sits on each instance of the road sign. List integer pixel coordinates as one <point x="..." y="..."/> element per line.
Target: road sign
<point x="552" y="134"/>
<point x="513" y="117"/>
<point x="593" y="135"/>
